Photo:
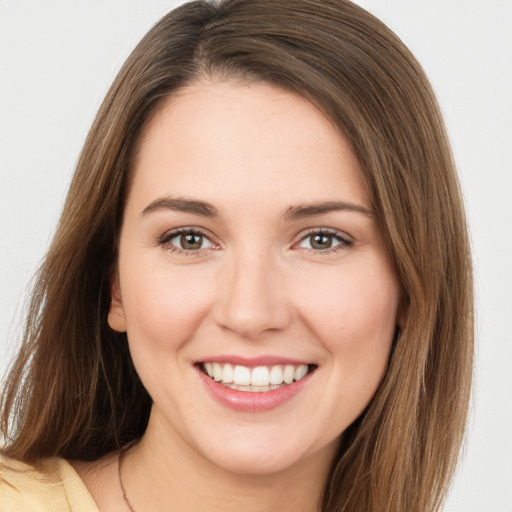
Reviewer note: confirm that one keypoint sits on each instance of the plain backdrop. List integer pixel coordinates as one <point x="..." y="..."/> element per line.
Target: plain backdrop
<point x="57" y="59"/>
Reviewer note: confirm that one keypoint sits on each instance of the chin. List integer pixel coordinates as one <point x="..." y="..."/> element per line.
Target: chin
<point x="248" y="461"/>
<point x="262" y="451"/>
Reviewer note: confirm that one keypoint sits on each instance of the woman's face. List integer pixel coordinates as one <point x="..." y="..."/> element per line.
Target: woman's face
<point x="249" y="250"/>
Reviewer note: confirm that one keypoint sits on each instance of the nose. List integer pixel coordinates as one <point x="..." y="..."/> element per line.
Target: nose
<point x="251" y="299"/>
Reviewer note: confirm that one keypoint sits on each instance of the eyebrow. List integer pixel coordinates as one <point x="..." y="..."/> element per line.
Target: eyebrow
<point x="182" y="204"/>
<point x="311" y="210"/>
<point x="205" y="209"/>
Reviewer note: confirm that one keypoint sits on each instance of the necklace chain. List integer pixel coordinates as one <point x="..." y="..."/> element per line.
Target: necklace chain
<point x="120" y="460"/>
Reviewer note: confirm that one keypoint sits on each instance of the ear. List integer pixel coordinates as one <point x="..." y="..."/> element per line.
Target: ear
<point x="116" y="316"/>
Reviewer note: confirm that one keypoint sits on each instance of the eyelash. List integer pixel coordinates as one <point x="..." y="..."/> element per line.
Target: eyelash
<point x="165" y="241"/>
<point x="344" y="241"/>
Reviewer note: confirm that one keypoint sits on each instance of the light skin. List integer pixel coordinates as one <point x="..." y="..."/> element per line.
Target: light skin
<point x="287" y="262"/>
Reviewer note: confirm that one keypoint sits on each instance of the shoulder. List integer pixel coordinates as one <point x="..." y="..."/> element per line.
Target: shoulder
<point x="49" y="484"/>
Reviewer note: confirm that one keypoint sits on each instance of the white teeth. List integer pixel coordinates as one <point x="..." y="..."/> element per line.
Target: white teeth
<point x="289" y="372"/>
<point x="227" y="374"/>
<point x="217" y="371"/>
<point x="300" y="371"/>
<point x="260" y="378"/>
<point x="242" y="376"/>
<point x="251" y="389"/>
<point x="276" y="375"/>
<point x="209" y="369"/>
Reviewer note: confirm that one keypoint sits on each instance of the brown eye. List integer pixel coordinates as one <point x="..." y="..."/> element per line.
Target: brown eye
<point x="187" y="241"/>
<point x="191" y="241"/>
<point x="325" y="241"/>
<point x="321" y="241"/>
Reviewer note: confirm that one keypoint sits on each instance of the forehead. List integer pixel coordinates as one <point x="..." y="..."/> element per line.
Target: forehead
<point x="223" y="141"/>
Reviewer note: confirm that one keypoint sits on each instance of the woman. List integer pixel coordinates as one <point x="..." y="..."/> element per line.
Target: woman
<point x="259" y="293"/>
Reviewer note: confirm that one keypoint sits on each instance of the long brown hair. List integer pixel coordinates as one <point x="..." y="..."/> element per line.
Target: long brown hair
<point x="73" y="391"/>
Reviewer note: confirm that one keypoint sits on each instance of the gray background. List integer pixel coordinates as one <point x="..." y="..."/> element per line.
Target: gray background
<point x="57" y="59"/>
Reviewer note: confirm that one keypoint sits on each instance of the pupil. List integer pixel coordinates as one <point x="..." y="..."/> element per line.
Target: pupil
<point x="321" y="242"/>
<point x="191" y="241"/>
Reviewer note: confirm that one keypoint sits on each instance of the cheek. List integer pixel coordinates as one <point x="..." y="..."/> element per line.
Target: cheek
<point x="354" y="315"/>
<point x="163" y="310"/>
<point x="355" y="321"/>
<point x="163" y="307"/>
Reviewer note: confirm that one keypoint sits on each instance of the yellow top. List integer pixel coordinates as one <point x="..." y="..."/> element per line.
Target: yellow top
<point x="50" y="485"/>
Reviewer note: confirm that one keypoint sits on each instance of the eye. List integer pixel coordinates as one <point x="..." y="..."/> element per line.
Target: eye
<point x="324" y="241"/>
<point x="190" y="241"/>
<point x="186" y="240"/>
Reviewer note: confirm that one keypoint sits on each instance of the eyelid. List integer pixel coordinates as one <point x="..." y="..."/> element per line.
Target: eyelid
<point x="164" y="240"/>
<point x="346" y="240"/>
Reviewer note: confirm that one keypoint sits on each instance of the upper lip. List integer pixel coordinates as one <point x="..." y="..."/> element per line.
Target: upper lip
<point x="265" y="360"/>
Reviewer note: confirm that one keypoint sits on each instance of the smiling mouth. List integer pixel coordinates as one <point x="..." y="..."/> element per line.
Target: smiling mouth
<point x="257" y="379"/>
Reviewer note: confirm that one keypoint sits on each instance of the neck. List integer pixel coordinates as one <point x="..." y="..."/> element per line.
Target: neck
<point x="163" y="473"/>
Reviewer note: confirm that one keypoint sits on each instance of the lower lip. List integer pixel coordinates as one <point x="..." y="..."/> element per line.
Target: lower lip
<point x="246" y="401"/>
